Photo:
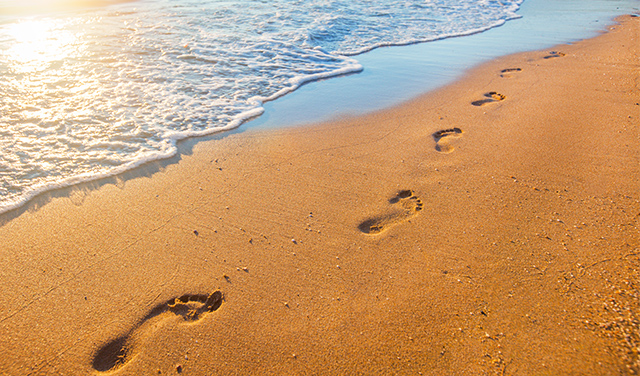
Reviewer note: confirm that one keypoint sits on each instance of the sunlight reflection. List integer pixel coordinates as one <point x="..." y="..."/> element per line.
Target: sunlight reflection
<point x="32" y="7"/>
<point x="36" y="43"/>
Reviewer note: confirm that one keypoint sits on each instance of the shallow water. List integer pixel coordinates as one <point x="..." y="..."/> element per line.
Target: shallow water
<point x="396" y="74"/>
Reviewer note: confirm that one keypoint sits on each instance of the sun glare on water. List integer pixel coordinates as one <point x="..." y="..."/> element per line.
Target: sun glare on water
<point x="28" y="7"/>
<point x="36" y="43"/>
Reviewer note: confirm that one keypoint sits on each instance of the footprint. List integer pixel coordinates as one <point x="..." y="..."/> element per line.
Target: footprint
<point x="407" y="205"/>
<point x="492" y="96"/>
<point x="553" y="54"/>
<point x="191" y="308"/>
<point x="506" y="73"/>
<point x="443" y="137"/>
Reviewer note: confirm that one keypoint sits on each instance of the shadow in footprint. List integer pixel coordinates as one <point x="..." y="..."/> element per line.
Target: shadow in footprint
<point x="442" y="139"/>
<point x="408" y="205"/>
<point x="191" y="308"/>
<point x="506" y="73"/>
<point x="491" y="97"/>
<point x="553" y="54"/>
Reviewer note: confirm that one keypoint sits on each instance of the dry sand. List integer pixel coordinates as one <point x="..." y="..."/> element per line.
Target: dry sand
<point x="462" y="233"/>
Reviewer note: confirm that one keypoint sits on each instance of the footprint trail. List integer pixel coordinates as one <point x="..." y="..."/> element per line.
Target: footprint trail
<point x="491" y="97"/>
<point x="553" y="54"/>
<point x="443" y="138"/>
<point x="506" y="73"/>
<point x="192" y="308"/>
<point x="406" y="204"/>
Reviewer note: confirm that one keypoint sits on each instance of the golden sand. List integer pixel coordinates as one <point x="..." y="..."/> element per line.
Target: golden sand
<point x="490" y="227"/>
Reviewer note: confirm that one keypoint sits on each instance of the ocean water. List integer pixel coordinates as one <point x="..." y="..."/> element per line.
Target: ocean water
<point x="91" y="92"/>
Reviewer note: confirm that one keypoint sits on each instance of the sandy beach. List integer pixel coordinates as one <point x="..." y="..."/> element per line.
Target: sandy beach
<point x="486" y="228"/>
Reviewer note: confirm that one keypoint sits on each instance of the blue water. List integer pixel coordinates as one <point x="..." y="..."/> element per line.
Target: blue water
<point x="92" y="92"/>
<point x="393" y="75"/>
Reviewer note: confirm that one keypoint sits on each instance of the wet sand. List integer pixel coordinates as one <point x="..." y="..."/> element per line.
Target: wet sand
<point x="490" y="227"/>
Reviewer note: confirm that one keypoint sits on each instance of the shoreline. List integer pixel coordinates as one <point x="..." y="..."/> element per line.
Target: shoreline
<point x="488" y="227"/>
<point x="403" y="73"/>
<point x="281" y="113"/>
